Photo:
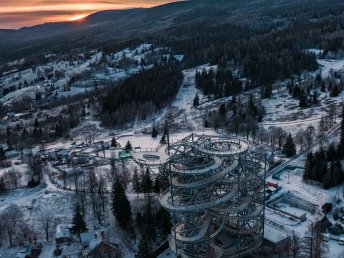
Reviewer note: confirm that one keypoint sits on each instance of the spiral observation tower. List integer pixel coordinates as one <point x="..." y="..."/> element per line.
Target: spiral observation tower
<point x="215" y="195"/>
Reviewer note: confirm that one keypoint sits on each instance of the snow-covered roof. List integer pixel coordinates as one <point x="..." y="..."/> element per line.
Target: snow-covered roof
<point x="86" y="238"/>
<point x="273" y="234"/>
<point x="62" y="231"/>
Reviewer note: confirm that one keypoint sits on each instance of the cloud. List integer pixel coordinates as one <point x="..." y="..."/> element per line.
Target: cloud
<point x="19" y="13"/>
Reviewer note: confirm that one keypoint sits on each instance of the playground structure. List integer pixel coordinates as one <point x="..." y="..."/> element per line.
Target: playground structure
<point x="216" y="190"/>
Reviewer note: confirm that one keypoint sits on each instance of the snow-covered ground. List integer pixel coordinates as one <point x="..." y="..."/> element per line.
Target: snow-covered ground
<point x="67" y="76"/>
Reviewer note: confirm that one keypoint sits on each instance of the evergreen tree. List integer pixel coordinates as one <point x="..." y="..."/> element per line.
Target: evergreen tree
<point x="267" y="91"/>
<point x="323" y="88"/>
<point x="114" y="143"/>
<point x="156" y="185"/>
<point x="341" y="143"/>
<point x="289" y="147"/>
<point x="163" y="220"/>
<point x="120" y="204"/>
<point x="163" y="139"/>
<point x="149" y="223"/>
<point x="331" y="153"/>
<point x="147" y="182"/>
<point x="334" y="91"/>
<point x="222" y="109"/>
<point x="308" y="166"/>
<point x="36" y="123"/>
<point x="303" y="101"/>
<point x="79" y="225"/>
<point x="128" y="146"/>
<point x="2" y="154"/>
<point x="315" y="98"/>
<point x="2" y="185"/>
<point x="196" y="101"/>
<point x="144" y="249"/>
<point x="154" y="132"/>
<point x="136" y="182"/>
<point x="252" y="107"/>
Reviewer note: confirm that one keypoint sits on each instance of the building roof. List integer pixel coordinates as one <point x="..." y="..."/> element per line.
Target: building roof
<point x="86" y="238"/>
<point x="62" y="231"/>
<point x="104" y="248"/>
<point x="274" y="234"/>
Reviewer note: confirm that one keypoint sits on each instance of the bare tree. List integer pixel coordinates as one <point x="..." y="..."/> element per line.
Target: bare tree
<point x="46" y="220"/>
<point x="313" y="243"/>
<point x="300" y="138"/>
<point x="272" y="133"/>
<point x="26" y="233"/>
<point x="280" y="135"/>
<point x="12" y="217"/>
<point x="13" y="177"/>
<point x="262" y="135"/>
<point x="309" y="135"/>
<point x="295" y="246"/>
<point x="92" y="186"/>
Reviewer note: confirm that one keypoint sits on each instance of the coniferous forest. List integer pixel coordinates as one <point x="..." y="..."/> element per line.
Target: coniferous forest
<point x="141" y="94"/>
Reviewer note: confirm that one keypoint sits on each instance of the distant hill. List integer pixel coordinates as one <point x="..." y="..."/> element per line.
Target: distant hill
<point x="120" y="24"/>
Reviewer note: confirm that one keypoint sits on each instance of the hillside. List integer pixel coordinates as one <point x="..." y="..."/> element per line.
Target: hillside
<point x="125" y="24"/>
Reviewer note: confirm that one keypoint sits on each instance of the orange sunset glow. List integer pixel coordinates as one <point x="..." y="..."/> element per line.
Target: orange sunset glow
<point x="20" y="13"/>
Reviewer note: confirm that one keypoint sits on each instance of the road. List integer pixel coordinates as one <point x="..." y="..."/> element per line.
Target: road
<point x="281" y="167"/>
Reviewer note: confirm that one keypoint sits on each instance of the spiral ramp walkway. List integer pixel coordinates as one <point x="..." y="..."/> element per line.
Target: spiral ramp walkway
<point x="216" y="190"/>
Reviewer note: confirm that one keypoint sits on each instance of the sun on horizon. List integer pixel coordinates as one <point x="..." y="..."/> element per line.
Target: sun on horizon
<point x="78" y="17"/>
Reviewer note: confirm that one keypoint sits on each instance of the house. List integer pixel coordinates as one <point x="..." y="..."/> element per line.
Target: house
<point x="12" y="154"/>
<point x="63" y="233"/>
<point x="86" y="239"/>
<point x="104" y="250"/>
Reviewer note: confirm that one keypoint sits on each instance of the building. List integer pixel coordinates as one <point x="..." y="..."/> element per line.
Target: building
<point x="104" y="250"/>
<point x="63" y="233"/>
<point x="276" y="237"/>
<point x="12" y="154"/>
<point x="86" y="238"/>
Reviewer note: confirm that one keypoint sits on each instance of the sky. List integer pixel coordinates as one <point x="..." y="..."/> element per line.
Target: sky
<point x="20" y="13"/>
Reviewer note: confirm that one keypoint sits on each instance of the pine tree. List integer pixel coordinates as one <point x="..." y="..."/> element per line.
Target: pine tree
<point x="289" y="147"/>
<point x="154" y="132"/>
<point x="2" y="154"/>
<point x="128" y="146"/>
<point x="252" y="107"/>
<point x="79" y="225"/>
<point x="156" y="185"/>
<point x="150" y="224"/>
<point x="196" y="101"/>
<point x="147" y="182"/>
<point x="114" y="142"/>
<point x="341" y="143"/>
<point x="120" y="204"/>
<point x="36" y="123"/>
<point x="222" y="109"/>
<point x="267" y="91"/>
<point x="163" y="220"/>
<point x="331" y="153"/>
<point x="2" y="185"/>
<point x="334" y="91"/>
<point x="303" y="101"/>
<point x="144" y="249"/>
<point x="308" y="166"/>
<point x="163" y="139"/>
<point x="136" y="182"/>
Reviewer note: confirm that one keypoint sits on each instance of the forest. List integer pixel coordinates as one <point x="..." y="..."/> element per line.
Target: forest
<point x="141" y="94"/>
